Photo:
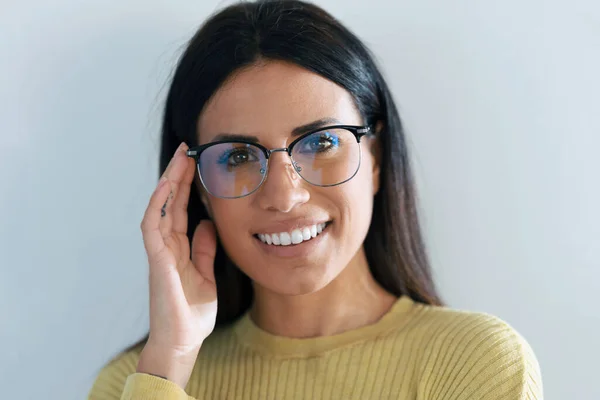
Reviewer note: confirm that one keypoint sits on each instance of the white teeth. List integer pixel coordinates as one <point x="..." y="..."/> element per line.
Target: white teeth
<point x="276" y="240"/>
<point x="294" y="237"/>
<point x="305" y="234"/>
<point x="285" y="238"/>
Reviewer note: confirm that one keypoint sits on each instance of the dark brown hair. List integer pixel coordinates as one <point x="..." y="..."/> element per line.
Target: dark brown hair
<point x="304" y="34"/>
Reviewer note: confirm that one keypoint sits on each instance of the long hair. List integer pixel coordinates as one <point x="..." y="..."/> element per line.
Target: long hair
<point x="301" y="33"/>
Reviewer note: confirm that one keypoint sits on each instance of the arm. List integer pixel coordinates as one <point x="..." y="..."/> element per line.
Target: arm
<point x="140" y="386"/>
<point x="120" y="381"/>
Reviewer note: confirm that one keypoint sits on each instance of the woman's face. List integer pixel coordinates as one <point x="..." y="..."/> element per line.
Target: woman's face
<point x="268" y="102"/>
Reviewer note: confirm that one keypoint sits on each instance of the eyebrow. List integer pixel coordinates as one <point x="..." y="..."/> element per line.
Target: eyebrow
<point x="299" y="130"/>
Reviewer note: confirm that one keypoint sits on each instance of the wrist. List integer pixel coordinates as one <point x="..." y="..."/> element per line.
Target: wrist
<point x="172" y="365"/>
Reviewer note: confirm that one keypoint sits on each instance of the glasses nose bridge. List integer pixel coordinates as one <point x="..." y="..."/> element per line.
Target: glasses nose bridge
<point x="286" y="150"/>
<point x="282" y="149"/>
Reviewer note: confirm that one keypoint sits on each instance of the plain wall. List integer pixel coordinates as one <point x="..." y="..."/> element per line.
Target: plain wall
<point x="501" y="103"/>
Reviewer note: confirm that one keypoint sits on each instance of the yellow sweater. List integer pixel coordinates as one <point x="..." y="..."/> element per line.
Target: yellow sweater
<point x="414" y="352"/>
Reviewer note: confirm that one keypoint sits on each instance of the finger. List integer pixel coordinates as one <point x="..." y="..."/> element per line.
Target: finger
<point x="172" y="161"/>
<point x="178" y="165"/>
<point x="180" y="203"/>
<point x="175" y="173"/>
<point x="204" y="248"/>
<point x="153" y="238"/>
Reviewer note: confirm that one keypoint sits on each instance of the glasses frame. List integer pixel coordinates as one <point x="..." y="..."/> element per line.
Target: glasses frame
<point x="357" y="130"/>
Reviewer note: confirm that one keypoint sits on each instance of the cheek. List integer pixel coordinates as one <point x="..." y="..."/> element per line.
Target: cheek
<point x="228" y="217"/>
<point x="361" y="188"/>
<point x="355" y="203"/>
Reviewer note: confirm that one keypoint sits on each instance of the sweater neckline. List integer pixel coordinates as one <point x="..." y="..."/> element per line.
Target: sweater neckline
<point x="250" y="335"/>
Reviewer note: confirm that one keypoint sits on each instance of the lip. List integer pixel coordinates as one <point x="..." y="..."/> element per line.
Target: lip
<point x="294" y="250"/>
<point x="289" y="225"/>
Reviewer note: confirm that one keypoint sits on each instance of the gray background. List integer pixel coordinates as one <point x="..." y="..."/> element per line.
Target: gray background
<point x="501" y="103"/>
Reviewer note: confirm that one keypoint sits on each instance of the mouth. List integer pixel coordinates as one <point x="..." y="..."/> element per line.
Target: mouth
<point x="293" y="237"/>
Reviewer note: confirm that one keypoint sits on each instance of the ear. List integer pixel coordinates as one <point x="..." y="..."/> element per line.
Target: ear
<point x="376" y="153"/>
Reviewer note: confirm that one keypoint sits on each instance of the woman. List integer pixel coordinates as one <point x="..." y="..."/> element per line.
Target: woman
<point x="313" y="268"/>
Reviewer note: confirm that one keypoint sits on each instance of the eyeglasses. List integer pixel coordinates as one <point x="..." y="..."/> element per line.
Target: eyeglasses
<point x="232" y="169"/>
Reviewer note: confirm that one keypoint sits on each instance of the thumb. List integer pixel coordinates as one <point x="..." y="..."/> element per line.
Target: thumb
<point x="204" y="248"/>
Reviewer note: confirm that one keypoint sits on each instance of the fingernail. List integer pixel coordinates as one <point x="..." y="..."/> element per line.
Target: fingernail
<point x="181" y="146"/>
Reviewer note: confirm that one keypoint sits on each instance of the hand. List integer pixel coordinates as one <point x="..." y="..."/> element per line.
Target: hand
<point x="183" y="295"/>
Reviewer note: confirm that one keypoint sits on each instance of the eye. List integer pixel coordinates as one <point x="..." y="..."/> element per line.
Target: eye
<point x="319" y="142"/>
<point x="237" y="156"/>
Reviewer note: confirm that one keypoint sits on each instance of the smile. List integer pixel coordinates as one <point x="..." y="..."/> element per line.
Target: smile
<point x="296" y="236"/>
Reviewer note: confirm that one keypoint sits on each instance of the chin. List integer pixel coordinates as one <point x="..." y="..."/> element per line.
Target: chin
<point x="296" y="283"/>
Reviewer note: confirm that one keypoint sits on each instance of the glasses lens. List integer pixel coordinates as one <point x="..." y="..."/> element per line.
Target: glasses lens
<point x="232" y="169"/>
<point x="327" y="157"/>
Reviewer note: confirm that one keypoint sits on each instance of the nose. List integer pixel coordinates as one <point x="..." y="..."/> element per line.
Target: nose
<point x="283" y="189"/>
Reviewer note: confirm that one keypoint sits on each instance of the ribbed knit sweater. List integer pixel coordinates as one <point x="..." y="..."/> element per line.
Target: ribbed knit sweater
<point x="415" y="351"/>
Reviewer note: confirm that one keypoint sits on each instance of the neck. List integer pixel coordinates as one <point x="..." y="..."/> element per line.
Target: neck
<point x="352" y="300"/>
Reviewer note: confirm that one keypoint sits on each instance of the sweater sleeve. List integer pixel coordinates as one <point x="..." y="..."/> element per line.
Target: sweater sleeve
<point x="119" y="381"/>
<point x="485" y="360"/>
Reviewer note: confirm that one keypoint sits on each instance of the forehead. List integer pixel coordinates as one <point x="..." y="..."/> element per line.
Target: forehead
<point x="273" y="98"/>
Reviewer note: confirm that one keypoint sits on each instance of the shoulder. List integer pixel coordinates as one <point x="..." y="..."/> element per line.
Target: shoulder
<point x="473" y="355"/>
<point x="454" y="329"/>
<point x="110" y="381"/>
